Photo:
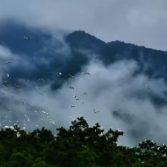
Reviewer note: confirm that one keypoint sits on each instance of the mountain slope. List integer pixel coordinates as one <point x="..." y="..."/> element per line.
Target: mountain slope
<point x="70" y="56"/>
<point x="152" y="61"/>
<point x="110" y="87"/>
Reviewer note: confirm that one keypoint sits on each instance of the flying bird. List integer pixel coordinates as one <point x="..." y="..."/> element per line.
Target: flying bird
<point x="28" y="38"/>
<point x="7" y="75"/>
<point x="7" y="62"/>
<point x="72" y="106"/>
<point x="30" y="104"/>
<point x="41" y="79"/>
<point x="86" y="73"/>
<point x="71" y="76"/>
<point x="71" y="87"/>
<point x="45" y="112"/>
<point x="6" y="81"/>
<point x="85" y="93"/>
<point x="18" y="86"/>
<point x="27" y="117"/>
<point x="148" y="87"/>
<point x="95" y="111"/>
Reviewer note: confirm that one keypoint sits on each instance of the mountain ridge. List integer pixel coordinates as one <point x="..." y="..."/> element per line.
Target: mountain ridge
<point x="55" y="57"/>
<point x="117" y="50"/>
<point x="80" y="33"/>
<point x="152" y="62"/>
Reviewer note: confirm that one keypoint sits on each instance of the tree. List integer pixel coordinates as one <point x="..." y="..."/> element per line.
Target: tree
<point x="79" y="145"/>
<point x="16" y="159"/>
<point x="87" y="158"/>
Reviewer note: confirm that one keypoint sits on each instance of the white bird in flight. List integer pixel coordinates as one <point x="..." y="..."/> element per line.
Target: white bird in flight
<point x="71" y="87"/>
<point x="148" y="87"/>
<point x="18" y="86"/>
<point x="28" y="38"/>
<point x="71" y="75"/>
<point x="95" y="111"/>
<point x="41" y="79"/>
<point x="85" y="73"/>
<point x="27" y="117"/>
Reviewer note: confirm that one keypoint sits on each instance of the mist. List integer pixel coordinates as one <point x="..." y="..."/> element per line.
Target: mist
<point x="112" y="88"/>
<point x="119" y="94"/>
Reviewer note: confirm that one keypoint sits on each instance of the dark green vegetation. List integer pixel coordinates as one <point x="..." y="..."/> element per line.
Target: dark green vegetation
<point x="78" y="146"/>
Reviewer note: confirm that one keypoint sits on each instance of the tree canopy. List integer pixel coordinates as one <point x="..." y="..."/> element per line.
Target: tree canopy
<point x="78" y="146"/>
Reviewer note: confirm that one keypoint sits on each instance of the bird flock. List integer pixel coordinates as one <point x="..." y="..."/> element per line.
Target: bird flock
<point x="84" y="93"/>
<point x="6" y="122"/>
<point x="5" y="119"/>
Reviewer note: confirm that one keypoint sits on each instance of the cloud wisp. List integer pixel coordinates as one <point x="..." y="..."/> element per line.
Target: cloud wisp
<point x="112" y="88"/>
<point x="107" y="89"/>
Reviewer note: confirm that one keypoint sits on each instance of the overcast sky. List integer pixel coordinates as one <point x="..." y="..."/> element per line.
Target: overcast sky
<point x="143" y="22"/>
<point x="112" y="88"/>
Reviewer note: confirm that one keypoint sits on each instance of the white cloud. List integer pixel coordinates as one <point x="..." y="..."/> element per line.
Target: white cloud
<point x="109" y="89"/>
<point x="15" y="60"/>
<point x="140" y="22"/>
<point x="5" y="53"/>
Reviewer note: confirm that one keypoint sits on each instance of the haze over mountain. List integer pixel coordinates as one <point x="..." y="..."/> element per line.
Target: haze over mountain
<point x="127" y="82"/>
<point x="119" y="73"/>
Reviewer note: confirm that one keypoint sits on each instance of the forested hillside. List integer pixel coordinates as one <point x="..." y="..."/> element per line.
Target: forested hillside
<point x="80" y="145"/>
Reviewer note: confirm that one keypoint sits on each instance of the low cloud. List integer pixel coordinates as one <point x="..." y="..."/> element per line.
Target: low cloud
<point x="112" y="88"/>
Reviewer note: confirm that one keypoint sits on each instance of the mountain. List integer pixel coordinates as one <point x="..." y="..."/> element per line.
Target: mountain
<point x="46" y="55"/>
<point x="81" y="46"/>
<point x="152" y="62"/>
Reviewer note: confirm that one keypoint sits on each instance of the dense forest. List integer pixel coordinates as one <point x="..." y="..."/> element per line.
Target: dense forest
<point x="78" y="146"/>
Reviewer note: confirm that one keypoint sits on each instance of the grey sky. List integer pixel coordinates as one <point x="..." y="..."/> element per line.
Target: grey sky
<point x="141" y="22"/>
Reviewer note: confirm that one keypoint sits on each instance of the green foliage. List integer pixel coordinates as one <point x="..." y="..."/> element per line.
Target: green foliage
<point x="87" y="157"/>
<point x="78" y="146"/>
<point x="39" y="163"/>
